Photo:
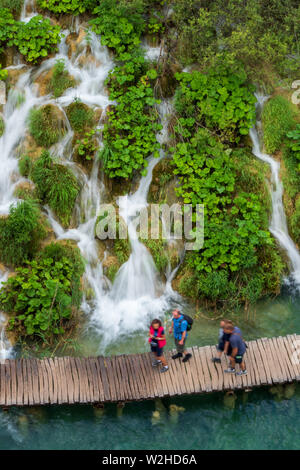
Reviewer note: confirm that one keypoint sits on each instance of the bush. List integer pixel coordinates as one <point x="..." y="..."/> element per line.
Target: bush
<point x="25" y="166"/>
<point x="81" y="117"/>
<point x="46" y="125"/>
<point x="14" y="5"/>
<point x="278" y="119"/>
<point x="66" y="6"/>
<point x="220" y="100"/>
<point x="60" y="80"/>
<point x="21" y="233"/>
<point x="40" y="297"/>
<point x="56" y="185"/>
<point x="2" y="126"/>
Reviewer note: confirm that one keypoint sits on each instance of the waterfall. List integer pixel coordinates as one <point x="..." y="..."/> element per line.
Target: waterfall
<point x="278" y="224"/>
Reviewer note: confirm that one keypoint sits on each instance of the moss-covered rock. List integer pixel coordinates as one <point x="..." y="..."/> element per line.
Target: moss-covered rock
<point x="81" y="117"/>
<point x="47" y="125"/>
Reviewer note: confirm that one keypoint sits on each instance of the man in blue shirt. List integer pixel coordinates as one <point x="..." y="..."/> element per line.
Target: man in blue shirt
<point x="238" y="349"/>
<point x="179" y="328"/>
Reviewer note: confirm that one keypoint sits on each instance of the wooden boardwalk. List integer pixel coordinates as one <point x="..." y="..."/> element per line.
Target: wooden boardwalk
<point x="132" y="377"/>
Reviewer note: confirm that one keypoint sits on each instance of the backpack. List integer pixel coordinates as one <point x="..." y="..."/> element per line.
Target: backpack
<point x="189" y="321"/>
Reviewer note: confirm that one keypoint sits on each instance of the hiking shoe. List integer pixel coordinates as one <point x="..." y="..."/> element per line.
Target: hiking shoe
<point x="176" y="356"/>
<point x="216" y="359"/>
<point x="186" y="357"/>
<point x="155" y="363"/>
<point x="230" y="370"/>
<point x="241" y="372"/>
<point x="164" y="369"/>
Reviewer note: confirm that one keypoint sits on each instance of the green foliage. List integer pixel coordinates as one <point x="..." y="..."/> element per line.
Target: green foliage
<point x="45" y="125"/>
<point x="220" y="100"/>
<point x="130" y="134"/>
<point x="120" y="24"/>
<point x="278" y="119"/>
<point x="88" y="145"/>
<point x="60" y="80"/>
<point x="2" y="126"/>
<point x="40" y="297"/>
<point x="21" y="233"/>
<point x="66" y="6"/>
<point x="25" y="166"/>
<point x="3" y="73"/>
<point x="159" y="253"/>
<point x="260" y="34"/>
<point x="294" y="143"/>
<point x="81" y="117"/>
<point x="14" y="5"/>
<point x="35" y="39"/>
<point x="56" y="185"/>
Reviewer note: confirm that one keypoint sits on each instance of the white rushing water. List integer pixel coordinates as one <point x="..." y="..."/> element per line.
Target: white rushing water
<point x="278" y="224"/>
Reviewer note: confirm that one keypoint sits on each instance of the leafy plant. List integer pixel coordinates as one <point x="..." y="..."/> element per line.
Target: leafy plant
<point x="56" y="185"/>
<point x="66" y="6"/>
<point x="220" y="100"/>
<point x="294" y="143"/>
<point x="88" y="145"/>
<point x="37" y="38"/>
<point x="3" y="73"/>
<point x="40" y="297"/>
<point x="46" y="125"/>
<point x="21" y="233"/>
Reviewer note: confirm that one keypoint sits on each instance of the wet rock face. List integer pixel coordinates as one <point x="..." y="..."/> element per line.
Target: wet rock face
<point x="43" y="82"/>
<point x="2" y="93"/>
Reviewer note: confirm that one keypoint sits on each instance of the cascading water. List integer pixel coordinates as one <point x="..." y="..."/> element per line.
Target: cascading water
<point x="278" y="224"/>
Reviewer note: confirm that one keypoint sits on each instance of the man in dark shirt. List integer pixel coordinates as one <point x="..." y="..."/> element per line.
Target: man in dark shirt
<point x="238" y="349"/>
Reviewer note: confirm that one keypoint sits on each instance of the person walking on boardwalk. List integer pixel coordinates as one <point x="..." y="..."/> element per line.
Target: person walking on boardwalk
<point x="157" y="340"/>
<point x="179" y="329"/>
<point x="223" y="344"/>
<point x="238" y="349"/>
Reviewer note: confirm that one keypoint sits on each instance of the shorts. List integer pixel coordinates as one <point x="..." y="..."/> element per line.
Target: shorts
<point x="239" y="359"/>
<point x="180" y="347"/>
<point x="158" y="351"/>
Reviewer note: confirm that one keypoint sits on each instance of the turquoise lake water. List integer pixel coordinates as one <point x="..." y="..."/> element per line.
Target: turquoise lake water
<point x="258" y="420"/>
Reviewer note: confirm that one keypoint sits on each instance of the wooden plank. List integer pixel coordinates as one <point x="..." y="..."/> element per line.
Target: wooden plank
<point x="48" y="381"/>
<point x="212" y="369"/>
<point x="69" y="379"/>
<point x="75" y="376"/>
<point x="173" y="373"/>
<point x="13" y="381"/>
<point x="277" y="356"/>
<point x="29" y="381"/>
<point x="2" y="384"/>
<point x="8" y="398"/>
<point x="59" y="380"/>
<point x="263" y="362"/>
<point x="294" y="342"/>
<point x="99" y="380"/>
<point x="40" y="375"/>
<point x="35" y="382"/>
<point x="54" y="398"/>
<point x="94" y="377"/>
<point x="194" y="372"/>
<point x="124" y="376"/>
<point x="199" y="369"/>
<point x="46" y="398"/>
<point x="149" y="376"/>
<point x="82" y="385"/>
<point x="172" y="384"/>
<point x="86" y="379"/>
<point x="63" y="376"/>
<point x="251" y="367"/>
<point x="283" y="352"/>
<point x="270" y="361"/>
<point x="217" y="366"/>
<point x="111" y="379"/>
<point x="258" y="368"/>
<point x="20" y="386"/>
<point x="90" y="376"/>
<point x="207" y="377"/>
<point x="130" y="376"/>
<point x="25" y="383"/>
<point x="104" y="377"/>
<point x="288" y="342"/>
<point x="120" y="383"/>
